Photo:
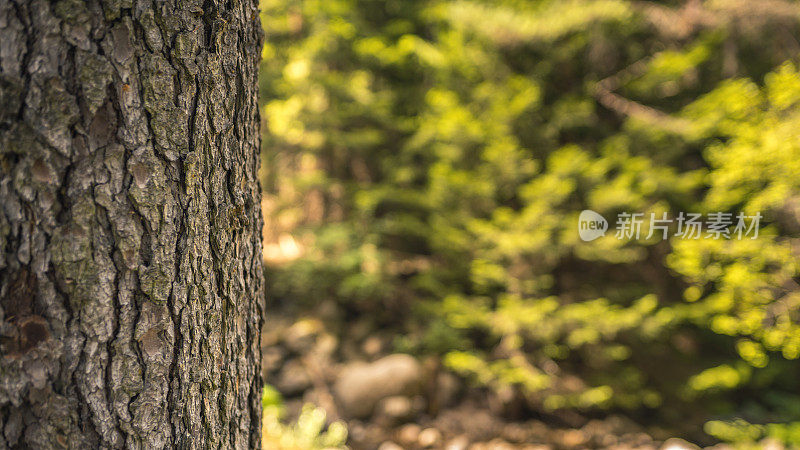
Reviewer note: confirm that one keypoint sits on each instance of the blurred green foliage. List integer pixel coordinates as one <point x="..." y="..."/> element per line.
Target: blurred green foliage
<point x="430" y="160"/>
<point x="308" y="432"/>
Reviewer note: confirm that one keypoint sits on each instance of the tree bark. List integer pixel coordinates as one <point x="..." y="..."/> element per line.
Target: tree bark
<point x="131" y="286"/>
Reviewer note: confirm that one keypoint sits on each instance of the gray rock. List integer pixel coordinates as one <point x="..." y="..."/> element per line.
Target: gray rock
<point x="678" y="444"/>
<point x="372" y="346"/>
<point x="360" y="386"/>
<point x="457" y="443"/>
<point x="429" y="437"/>
<point x="389" y="445"/>
<point x="409" y="433"/>
<point x="396" y="408"/>
<point x="771" y="444"/>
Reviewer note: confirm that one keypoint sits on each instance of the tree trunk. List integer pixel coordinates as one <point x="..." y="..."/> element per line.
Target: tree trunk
<point x="130" y="258"/>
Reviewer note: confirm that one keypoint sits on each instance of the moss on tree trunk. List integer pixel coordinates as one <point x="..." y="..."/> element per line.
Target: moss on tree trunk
<point x="130" y="256"/>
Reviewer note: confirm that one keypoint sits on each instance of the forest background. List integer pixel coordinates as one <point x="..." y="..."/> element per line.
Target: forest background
<point x="425" y="163"/>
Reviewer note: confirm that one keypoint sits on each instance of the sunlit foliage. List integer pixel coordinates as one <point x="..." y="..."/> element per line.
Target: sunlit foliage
<point x="430" y="159"/>
<point x="308" y="432"/>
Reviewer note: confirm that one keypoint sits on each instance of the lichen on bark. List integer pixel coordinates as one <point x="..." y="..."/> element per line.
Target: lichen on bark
<point x="131" y="287"/>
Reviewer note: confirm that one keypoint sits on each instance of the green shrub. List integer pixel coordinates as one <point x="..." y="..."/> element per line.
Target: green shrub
<point x="432" y="157"/>
<point x="307" y="433"/>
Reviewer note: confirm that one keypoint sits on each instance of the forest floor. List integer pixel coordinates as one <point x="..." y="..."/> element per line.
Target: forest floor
<point x="391" y="401"/>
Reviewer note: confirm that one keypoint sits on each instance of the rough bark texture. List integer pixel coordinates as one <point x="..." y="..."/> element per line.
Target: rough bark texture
<point x="130" y="255"/>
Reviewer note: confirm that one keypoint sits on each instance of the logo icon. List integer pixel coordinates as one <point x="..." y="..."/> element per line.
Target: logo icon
<point x="591" y="225"/>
